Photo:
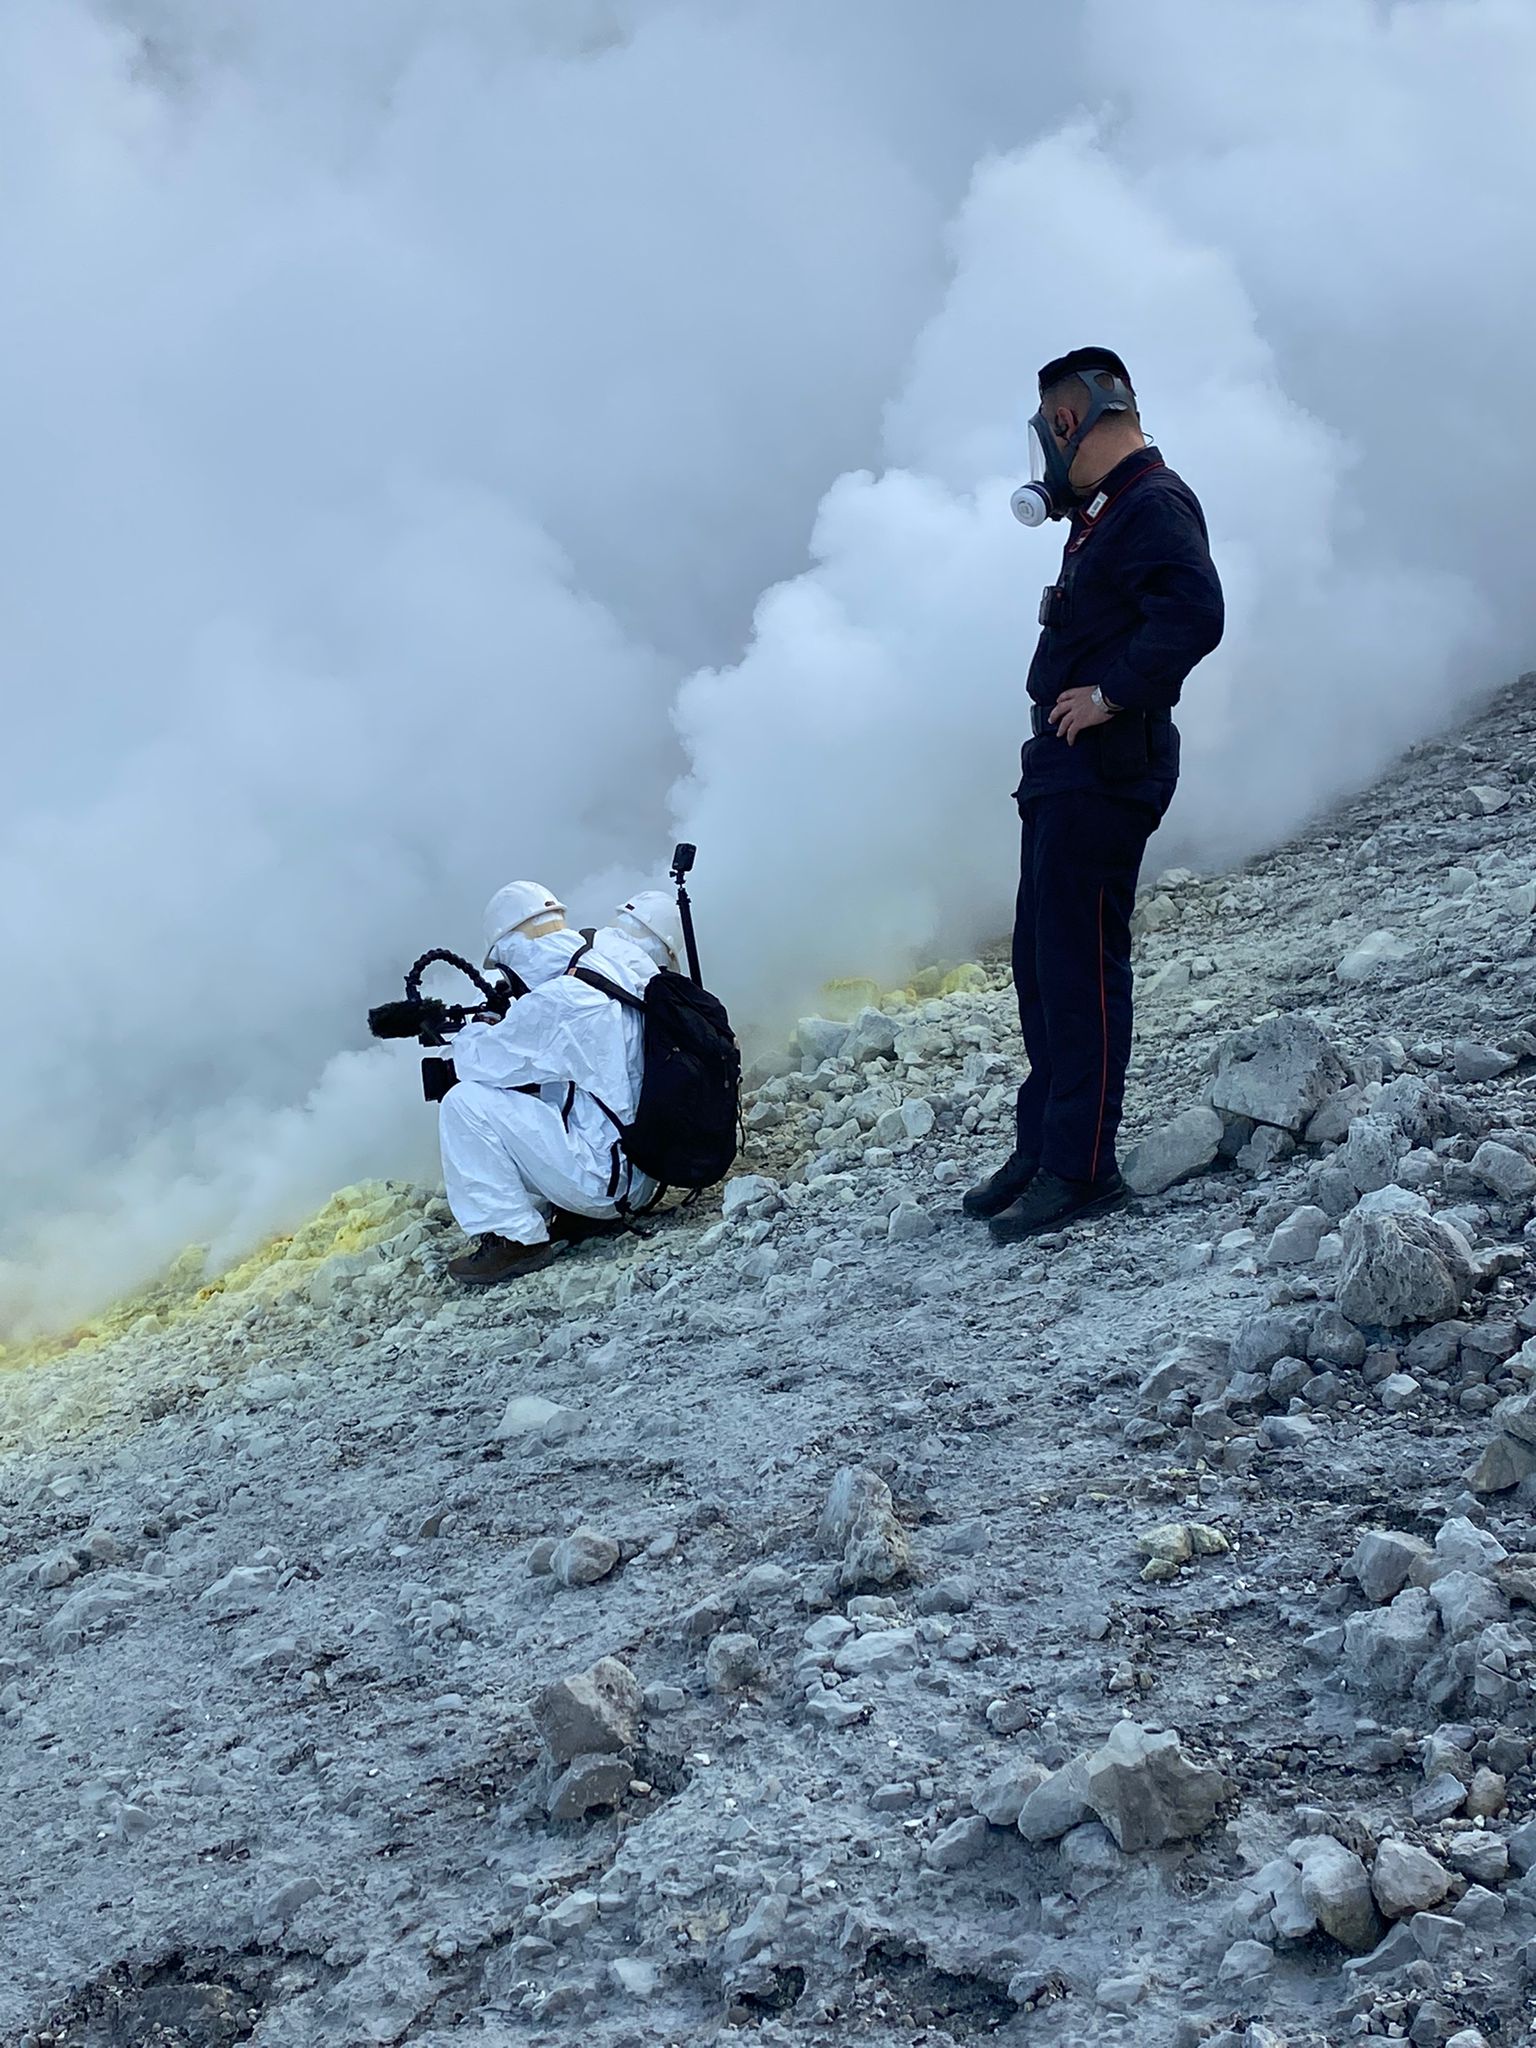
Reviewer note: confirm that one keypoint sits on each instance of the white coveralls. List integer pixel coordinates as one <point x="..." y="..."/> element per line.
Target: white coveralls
<point x="511" y="1158"/>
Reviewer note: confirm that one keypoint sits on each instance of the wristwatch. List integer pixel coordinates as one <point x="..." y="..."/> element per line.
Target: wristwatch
<point x="1102" y="703"/>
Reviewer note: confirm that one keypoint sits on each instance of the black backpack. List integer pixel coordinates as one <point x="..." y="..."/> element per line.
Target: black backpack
<point x="685" y="1129"/>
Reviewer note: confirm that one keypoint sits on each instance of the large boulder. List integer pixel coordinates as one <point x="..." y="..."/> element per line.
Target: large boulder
<point x="820" y="1038"/>
<point x="1001" y="1799"/>
<point x="871" y="1036"/>
<point x="1279" y="1072"/>
<point x="1199" y="1365"/>
<point x="1335" y="1885"/>
<point x="595" y="1712"/>
<point x="1516" y="1416"/>
<point x="1379" y="949"/>
<point x="1265" y="1336"/>
<point x="1370" y="1154"/>
<point x="1416" y="1106"/>
<point x="1331" y="1124"/>
<point x="1504" y="1171"/>
<point x="1386" y="1648"/>
<point x="1053" y="1809"/>
<point x="1147" y="1792"/>
<point x="1383" y="1560"/>
<point x="1505" y="1464"/>
<point x="1400" y="1267"/>
<point x="1297" y="1240"/>
<point x="859" y="1528"/>
<point x="1407" y="1879"/>
<point x="1186" y="1145"/>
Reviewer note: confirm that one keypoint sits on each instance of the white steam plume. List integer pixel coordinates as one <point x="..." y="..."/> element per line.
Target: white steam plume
<point x="401" y="398"/>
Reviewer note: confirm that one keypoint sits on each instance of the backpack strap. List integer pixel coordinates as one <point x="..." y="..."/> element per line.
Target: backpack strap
<point x="598" y="981"/>
<point x="612" y="990"/>
<point x="604" y="986"/>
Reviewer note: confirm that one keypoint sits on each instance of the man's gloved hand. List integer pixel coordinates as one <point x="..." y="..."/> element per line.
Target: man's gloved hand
<point x="1075" y="711"/>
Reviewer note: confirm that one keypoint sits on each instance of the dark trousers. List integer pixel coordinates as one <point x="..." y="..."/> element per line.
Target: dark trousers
<point x="1081" y="856"/>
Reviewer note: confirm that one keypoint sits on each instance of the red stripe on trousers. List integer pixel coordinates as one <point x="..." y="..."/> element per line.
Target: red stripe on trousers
<point x="1098" y="1136"/>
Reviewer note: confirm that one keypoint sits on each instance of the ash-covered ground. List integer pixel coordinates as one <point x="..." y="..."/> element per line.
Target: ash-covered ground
<point x="1103" y="1641"/>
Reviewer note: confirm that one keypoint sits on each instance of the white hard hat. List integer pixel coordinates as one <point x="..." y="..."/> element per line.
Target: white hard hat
<point x="520" y="904"/>
<point x="654" y="915"/>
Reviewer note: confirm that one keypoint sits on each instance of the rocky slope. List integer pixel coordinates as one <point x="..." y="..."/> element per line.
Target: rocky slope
<point x="805" y="1621"/>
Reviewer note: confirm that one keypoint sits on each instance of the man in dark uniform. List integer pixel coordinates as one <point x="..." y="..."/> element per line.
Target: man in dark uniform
<point x="1136" y="606"/>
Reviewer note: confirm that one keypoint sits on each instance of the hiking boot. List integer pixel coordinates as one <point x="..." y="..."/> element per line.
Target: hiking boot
<point x="566" y="1227"/>
<point x="1000" y="1189"/>
<point x="495" y="1259"/>
<point x="1049" y="1201"/>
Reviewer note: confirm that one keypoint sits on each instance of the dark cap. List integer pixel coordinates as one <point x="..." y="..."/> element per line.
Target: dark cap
<point x="1080" y="361"/>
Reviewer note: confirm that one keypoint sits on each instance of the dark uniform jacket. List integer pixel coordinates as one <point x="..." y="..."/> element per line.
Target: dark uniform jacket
<point x="1137" y="604"/>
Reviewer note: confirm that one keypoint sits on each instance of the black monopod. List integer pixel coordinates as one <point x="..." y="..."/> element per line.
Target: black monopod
<point x="683" y="858"/>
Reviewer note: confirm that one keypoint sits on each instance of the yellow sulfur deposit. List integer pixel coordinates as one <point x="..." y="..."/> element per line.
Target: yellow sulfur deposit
<point x="351" y="1221"/>
<point x="843" y="1000"/>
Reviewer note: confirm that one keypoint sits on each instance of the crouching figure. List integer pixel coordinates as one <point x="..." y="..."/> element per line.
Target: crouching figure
<point x="532" y="1134"/>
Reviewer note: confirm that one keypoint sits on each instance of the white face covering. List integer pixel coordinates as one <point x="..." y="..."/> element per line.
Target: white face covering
<point x="654" y="948"/>
<point x="534" y="960"/>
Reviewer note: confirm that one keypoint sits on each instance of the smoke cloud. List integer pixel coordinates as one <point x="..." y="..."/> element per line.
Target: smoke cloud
<point x="448" y="440"/>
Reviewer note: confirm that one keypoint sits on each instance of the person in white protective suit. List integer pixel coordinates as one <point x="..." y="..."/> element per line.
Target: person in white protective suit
<point x="529" y="1136"/>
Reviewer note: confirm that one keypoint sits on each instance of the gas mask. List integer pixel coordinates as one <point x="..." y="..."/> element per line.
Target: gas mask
<point x="1050" y="492"/>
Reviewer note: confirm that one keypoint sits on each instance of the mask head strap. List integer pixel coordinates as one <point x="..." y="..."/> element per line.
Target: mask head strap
<point x="1109" y="390"/>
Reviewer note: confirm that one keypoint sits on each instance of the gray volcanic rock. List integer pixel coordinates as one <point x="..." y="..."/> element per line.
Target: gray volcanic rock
<point x="1386" y="1649"/>
<point x="1336" y="1887"/>
<point x="1296" y="1240"/>
<point x="1186" y="1145"/>
<point x="1401" y="1269"/>
<point x="1279" y="1072"/>
<point x="1384" y="948"/>
<point x="1383" y="1559"/>
<point x="859" y="1528"/>
<point x="1508" y="1173"/>
<point x="594" y="1712"/>
<point x="872" y="1036"/>
<point x="583" y="1557"/>
<point x="820" y="1038"/>
<point x="1001" y="1799"/>
<point x="1370" y="1154"/>
<point x="1147" y="1792"/>
<point x="588" y="1782"/>
<point x="1406" y="1879"/>
<point x="1057" y="1806"/>
<point x="1474" y="1061"/>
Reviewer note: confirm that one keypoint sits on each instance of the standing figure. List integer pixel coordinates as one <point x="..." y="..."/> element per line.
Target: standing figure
<point x="1136" y="605"/>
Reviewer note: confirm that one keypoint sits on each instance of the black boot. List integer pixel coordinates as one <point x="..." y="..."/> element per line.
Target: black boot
<point x="1049" y="1201"/>
<point x="1001" y="1188"/>
<point x="495" y="1259"/>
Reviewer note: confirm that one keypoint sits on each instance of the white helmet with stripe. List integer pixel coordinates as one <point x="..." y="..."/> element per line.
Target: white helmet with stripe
<point x="526" y="907"/>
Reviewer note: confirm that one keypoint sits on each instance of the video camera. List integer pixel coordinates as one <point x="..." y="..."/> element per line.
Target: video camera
<point x="433" y="1021"/>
